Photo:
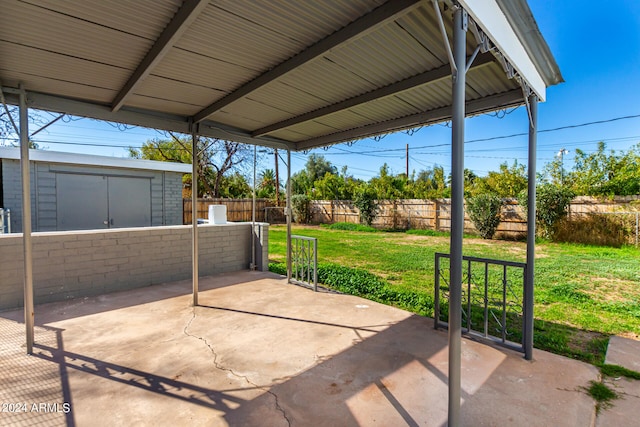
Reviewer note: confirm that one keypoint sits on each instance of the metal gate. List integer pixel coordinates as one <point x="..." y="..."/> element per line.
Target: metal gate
<point x="492" y="299"/>
<point x="304" y="261"/>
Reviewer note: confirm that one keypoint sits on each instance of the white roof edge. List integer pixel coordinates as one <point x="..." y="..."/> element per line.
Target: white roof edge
<point x="490" y="17"/>
<point x="93" y="160"/>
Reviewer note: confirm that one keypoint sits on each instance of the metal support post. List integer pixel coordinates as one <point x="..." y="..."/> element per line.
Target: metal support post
<point x="531" y="229"/>
<point x="194" y="211"/>
<point x="457" y="213"/>
<point x="253" y="211"/>
<point x="29" y="316"/>
<point x="288" y="215"/>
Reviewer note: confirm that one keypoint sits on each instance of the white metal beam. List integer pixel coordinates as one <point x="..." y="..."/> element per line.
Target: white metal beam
<point x="488" y="15"/>
<point x="389" y="11"/>
<point x="187" y="13"/>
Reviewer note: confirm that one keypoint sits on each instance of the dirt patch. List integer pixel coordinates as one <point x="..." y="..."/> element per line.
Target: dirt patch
<point x="611" y="290"/>
<point x="581" y="341"/>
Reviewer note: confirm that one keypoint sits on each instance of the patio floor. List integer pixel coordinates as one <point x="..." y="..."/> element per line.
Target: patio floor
<point x="259" y="352"/>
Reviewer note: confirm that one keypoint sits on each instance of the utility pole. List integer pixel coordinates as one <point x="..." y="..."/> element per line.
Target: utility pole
<point x="407" y="161"/>
<point x="561" y="154"/>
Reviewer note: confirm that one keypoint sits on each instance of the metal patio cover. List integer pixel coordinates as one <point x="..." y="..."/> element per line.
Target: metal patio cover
<point x="285" y="73"/>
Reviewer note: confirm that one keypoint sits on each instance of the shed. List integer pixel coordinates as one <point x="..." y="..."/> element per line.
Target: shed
<point x="82" y="192"/>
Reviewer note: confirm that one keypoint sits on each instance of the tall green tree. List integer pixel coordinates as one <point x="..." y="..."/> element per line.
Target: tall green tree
<point x="216" y="158"/>
<point x="603" y="173"/>
<point x="302" y="182"/>
<point x="509" y="181"/>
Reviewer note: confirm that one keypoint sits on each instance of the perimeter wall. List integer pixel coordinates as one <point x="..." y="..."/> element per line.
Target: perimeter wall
<point x="70" y="264"/>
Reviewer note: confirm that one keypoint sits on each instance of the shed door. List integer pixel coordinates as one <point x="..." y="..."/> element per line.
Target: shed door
<point x="81" y="201"/>
<point x="86" y="202"/>
<point x="129" y="202"/>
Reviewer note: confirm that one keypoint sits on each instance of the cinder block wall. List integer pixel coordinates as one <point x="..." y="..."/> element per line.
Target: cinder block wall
<point x="70" y="264"/>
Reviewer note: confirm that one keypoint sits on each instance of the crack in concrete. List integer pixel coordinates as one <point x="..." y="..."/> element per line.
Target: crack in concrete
<point x="218" y="366"/>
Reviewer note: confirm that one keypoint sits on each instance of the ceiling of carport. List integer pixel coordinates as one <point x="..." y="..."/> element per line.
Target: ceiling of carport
<point x="289" y="73"/>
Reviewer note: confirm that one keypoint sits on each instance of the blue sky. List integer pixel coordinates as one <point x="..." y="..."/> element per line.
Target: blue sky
<point x="597" y="47"/>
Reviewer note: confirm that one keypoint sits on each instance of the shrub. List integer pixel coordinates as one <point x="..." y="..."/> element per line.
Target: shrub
<point x="355" y="281"/>
<point x="300" y="205"/>
<point x="348" y="226"/>
<point x="551" y="207"/>
<point x="484" y="211"/>
<point x="365" y="201"/>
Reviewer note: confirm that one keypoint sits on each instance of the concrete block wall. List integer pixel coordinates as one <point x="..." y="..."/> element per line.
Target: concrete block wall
<point x="71" y="264"/>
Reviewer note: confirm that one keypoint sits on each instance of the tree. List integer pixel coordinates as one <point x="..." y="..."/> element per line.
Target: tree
<point x="10" y="125"/>
<point x="551" y="206"/>
<point x="216" y="158"/>
<point x="387" y="186"/>
<point x="430" y="184"/>
<point x="316" y="168"/>
<point x="266" y="188"/>
<point x="602" y="174"/>
<point x="508" y="182"/>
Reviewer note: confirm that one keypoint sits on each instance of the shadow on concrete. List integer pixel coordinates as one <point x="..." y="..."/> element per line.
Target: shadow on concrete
<point x="265" y="353"/>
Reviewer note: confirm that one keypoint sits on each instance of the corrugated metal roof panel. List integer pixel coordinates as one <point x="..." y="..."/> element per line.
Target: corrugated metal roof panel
<point x="303" y="21"/>
<point x="121" y="15"/>
<point x="44" y="29"/>
<point x="344" y="120"/>
<point x="201" y="70"/>
<point x="47" y="64"/>
<point x="222" y="35"/>
<point x="176" y="90"/>
<point x="157" y="103"/>
<point x="62" y="88"/>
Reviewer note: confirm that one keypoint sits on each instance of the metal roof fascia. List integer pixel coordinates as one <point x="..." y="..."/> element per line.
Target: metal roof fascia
<point x="488" y="15"/>
<point x="93" y="160"/>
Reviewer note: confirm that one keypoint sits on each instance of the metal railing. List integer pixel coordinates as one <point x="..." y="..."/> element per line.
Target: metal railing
<point x="304" y="261"/>
<point x="492" y="299"/>
<point x="5" y="221"/>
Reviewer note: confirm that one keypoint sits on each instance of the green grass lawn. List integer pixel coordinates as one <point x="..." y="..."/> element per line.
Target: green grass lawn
<point x="583" y="294"/>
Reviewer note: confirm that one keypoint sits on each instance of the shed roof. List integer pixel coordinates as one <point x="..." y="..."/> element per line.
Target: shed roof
<point x="290" y="74"/>
<point x="92" y="160"/>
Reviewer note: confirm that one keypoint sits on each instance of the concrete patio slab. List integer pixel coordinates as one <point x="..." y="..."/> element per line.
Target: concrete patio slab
<point x="624" y="411"/>
<point x="259" y="352"/>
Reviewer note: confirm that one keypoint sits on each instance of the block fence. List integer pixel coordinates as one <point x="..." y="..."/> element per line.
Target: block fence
<point x="71" y="264"/>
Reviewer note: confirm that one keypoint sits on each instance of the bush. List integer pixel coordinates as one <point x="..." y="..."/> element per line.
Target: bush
<point x="551" y="207"/>
<point x="484" y="211"/>
<point x="355" y="281"/>
<point x="348" y="226"/>
<point x="300" y="206"/>
<point x="365" y="201"/>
